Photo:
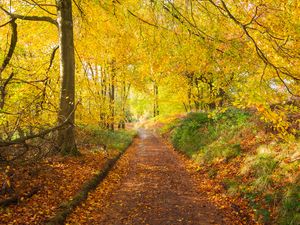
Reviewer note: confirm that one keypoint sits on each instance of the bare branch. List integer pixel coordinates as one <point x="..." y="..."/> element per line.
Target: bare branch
<point x="144" y="21"/>
<point x="41" y="6"/>
<point x="31" y="18"/>
<point x="258" y="50"/>
<point x="3" y="25"/>
<point x="79" y="8"/>
<point x="52" y="58"/>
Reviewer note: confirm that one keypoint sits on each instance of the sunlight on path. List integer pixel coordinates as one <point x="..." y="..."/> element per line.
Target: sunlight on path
<point x="154" y="189"/>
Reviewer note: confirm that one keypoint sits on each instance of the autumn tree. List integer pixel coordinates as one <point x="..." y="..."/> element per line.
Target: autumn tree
<point x="66" y="139"/>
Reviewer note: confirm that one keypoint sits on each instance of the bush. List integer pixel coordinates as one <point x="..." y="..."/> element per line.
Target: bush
<point x="223" y="150"/>
<point x="209" y="136"/>
<point x="189" y="136"/>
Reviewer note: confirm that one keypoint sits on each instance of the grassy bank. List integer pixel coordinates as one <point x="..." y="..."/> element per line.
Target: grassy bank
<point x="105" y="140"/>
<point x="238" y="151"/>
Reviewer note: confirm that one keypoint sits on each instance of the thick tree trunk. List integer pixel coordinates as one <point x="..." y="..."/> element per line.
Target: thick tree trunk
<point x="66" y="136"/>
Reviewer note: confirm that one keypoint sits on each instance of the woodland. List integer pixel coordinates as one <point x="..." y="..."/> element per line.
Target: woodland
<point x="218" y="81"/>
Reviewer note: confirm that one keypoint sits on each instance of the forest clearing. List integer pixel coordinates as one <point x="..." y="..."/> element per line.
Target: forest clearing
<point x="149" y="112"/>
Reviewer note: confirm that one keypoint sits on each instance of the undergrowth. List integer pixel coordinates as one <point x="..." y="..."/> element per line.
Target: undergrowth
<point x="110" y="140"/>
<point x="269" y="173"/>
<point x="209" y="137"/>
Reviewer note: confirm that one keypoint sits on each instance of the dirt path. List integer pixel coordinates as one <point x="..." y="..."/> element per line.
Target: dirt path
<point x="154" y="188"/>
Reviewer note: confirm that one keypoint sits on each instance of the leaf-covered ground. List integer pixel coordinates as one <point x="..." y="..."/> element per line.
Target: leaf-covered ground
<point x="58" y="179"/>
<point x="152" y="184"/>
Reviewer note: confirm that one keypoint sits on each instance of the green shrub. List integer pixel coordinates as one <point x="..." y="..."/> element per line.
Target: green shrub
<point x="169" y="126"/>
<point x="187" y="136"/>
<point x="199" y="133"/>
<point x="119" y="140"/>
<point x="263" y="215"/>
<point x="223" y="150"/>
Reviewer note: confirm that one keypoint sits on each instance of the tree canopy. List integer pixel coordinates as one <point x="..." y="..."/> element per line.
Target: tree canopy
<point x="153" y="57"/>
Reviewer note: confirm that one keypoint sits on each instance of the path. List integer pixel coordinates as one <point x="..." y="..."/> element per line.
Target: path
<point x="155" y="189"/>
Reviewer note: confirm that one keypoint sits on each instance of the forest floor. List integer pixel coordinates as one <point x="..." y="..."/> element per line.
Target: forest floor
<point x="39" y="186"/>
<point x="153" y="184"/>
<point x="56" y="179"/>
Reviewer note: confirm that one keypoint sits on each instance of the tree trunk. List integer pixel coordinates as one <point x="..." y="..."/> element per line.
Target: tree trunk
<point x="112" y="105"/>
<point x="112" y="95"/>
<point x="190" y="89"/>
<point x="66" y="136"/>
<point x="124" y="95"/>
<point x="103" y="98"/>
<point x="155" y="106"/>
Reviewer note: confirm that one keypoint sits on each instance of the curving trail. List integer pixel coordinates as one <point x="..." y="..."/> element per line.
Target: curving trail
<point x="154" y="188"/>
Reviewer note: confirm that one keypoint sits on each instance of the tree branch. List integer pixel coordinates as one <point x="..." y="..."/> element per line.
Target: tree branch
<point x="22" y="140"/>
<point x="52" y="58"/>
<point x="3" y="25"/>
<point x="13" y="43"/>
<point x="31" y="18"/>
<point x="41" y="6"/>
<point x="258" y="50"/>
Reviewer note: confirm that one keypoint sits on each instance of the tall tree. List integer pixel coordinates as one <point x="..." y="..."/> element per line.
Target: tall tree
<point x="66" y="136"/>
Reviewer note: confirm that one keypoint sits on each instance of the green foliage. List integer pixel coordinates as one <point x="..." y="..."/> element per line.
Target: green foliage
<point x="208" y="137"/>
<point x="190" y="135"/>
<point x="231" y="185"/>
<point x="234" y="116"/>
<point x="290" y="206"/>
<point x="261" y="166"/>
<point x="198" y="133"/>
<point x="264" y="165"/>
<point x="263" y="215"/>
<point x="169" y="126"/>
<point x="117" y="140"/>
<point x="222" y="150"/>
